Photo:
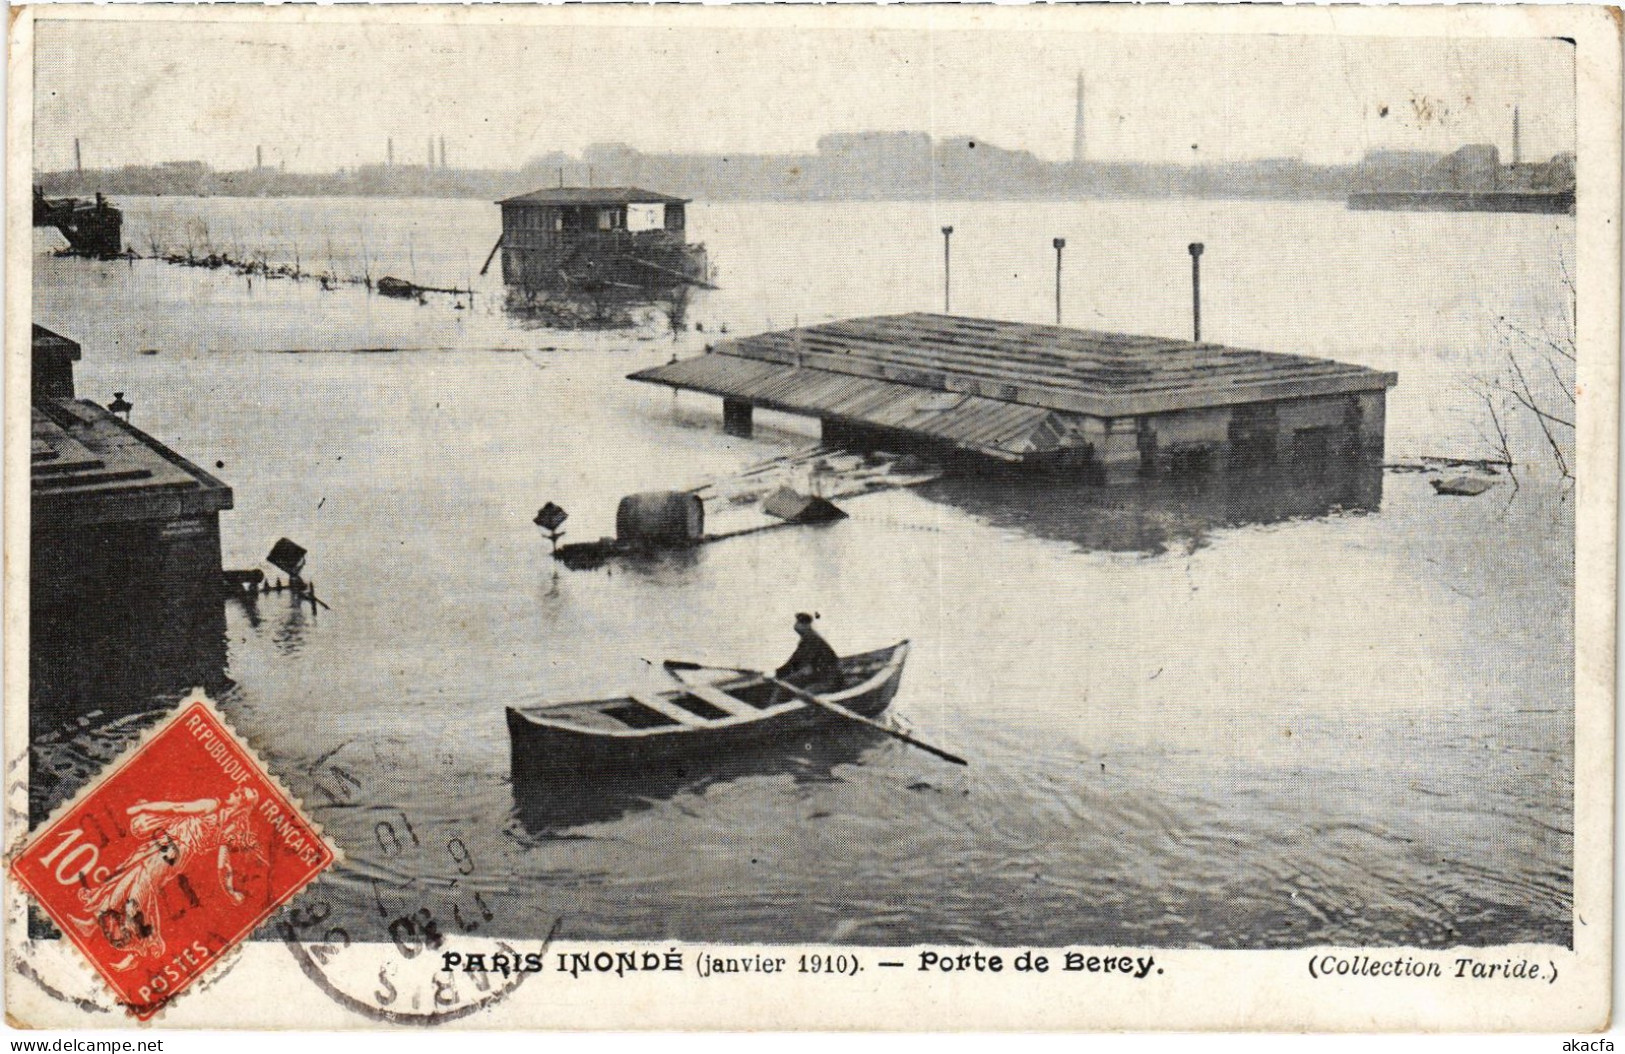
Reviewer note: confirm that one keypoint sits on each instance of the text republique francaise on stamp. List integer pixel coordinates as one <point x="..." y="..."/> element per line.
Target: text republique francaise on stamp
<point x="170" y="860"/>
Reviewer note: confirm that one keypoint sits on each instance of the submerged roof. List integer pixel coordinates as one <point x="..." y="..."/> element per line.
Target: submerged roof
<point x="1083" y="371"/>
<point x="1007" y="389"/>
<point x="46" y="341"/>
<point x="992" y="426"/>
<point x="87" y="466"/>
<point x="593" y="196"/>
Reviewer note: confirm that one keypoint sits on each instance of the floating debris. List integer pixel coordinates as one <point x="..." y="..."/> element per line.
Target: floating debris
<point x="1464" y="485"/>
<point x="785" y="491"/>
<point x="794" y="507"/>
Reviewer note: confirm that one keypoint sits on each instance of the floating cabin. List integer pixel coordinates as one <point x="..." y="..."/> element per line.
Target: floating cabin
<point x="124" y="573"/>
<point x="595" y="238"/>
<point x="1112" y="407"/>
<point x="91" y="228"/>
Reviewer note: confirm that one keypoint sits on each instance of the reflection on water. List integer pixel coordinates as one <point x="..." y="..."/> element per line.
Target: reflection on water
<point x="605" y="307"/>
<point x="811" y="760"/>
<point x="291" y="625"/>
<point x="1162" y="514"/>
<point x="103" y="659"/>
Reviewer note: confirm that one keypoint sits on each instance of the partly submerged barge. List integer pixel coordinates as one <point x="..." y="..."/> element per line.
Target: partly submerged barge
<point x="1111" y="406"/>
<point x="92" y="228"/>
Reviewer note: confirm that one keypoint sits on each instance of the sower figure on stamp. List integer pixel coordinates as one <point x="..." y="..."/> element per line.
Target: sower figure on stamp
<point x="814" y="665"/>
<point x="126" y="906"/>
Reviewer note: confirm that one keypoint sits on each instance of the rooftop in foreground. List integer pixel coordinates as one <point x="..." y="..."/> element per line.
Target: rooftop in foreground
<point x="1012" y="389"/>
<point x="87" y="466"/>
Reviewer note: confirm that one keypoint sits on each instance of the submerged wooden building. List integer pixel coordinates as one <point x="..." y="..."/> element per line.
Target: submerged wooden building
<point x="124" y="556"/>
<point x="571" y="239"/>
<point x="1111" y="406"/>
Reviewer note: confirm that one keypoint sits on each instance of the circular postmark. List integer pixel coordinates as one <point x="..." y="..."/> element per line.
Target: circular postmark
<point x="424" y="976"/>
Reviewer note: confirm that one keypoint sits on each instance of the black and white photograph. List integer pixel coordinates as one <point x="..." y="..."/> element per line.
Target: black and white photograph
<point x="855" y="492"/>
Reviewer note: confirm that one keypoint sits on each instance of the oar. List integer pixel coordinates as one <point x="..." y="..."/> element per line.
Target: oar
<point x="673" y="665"/>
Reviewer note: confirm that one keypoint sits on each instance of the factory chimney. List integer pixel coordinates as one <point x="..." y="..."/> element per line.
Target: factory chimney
<point x="1079" y="144"/>
<point x="389" y="156"/>
<point x="442" y="151"/>
<point x="1517" y="140"/>
<point x="78" y="161"/>
<point x="259" y="158"/>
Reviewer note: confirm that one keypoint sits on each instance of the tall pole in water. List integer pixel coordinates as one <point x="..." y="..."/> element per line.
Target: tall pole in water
<point x="1196" y="291"/>
<point x="1059" y="243"/>
<point x="947" y="268"/>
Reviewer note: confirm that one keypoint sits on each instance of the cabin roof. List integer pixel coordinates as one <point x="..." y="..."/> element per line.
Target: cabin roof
<point x="87" y="466"/>
<point x="593" y="196"/>
<point x="1014" y="365"/>
<point x="47" y="342"/>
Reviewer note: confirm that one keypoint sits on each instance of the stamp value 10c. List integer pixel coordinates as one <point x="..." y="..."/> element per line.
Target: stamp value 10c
<point x="170" y="859"/>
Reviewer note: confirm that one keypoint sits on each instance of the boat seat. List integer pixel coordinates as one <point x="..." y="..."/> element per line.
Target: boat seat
<point x="723" y="701"/>
<point x="668" y="709"/>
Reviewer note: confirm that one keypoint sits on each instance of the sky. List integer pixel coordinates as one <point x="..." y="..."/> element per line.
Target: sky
<point x="318" y="97"/>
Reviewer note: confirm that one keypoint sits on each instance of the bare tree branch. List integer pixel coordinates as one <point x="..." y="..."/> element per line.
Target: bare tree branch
<point x="1567" y="353"/>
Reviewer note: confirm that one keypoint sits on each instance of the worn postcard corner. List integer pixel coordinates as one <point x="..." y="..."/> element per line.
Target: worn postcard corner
<point x="1037" y="533"/>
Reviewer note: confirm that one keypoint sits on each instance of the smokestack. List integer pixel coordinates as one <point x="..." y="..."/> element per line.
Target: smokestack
<point x="1517" y="141"/>
<point x="1196" y="291"/>
<point x="78" y="162"/>
<point x="389" y="157"/>
<point x="1079" y="144"/>
<point x="259" y="157"/>
<point x="442" y="151"/>
<point x="431" y="152"/>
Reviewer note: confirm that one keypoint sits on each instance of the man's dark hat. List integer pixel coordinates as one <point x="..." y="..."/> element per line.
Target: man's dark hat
<point x="803" y="618"/>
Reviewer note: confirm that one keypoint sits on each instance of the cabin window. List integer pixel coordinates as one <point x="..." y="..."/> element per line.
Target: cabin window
<point x="645" y="217"/>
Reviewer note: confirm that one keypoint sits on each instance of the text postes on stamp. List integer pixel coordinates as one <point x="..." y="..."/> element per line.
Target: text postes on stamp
<point x="169" y="860"/>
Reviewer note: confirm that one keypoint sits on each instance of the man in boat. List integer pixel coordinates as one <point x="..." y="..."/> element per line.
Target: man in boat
<point x="814" y="665"/>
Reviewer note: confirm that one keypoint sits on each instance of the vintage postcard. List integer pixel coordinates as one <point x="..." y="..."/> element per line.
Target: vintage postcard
<point x="786" y="517"/>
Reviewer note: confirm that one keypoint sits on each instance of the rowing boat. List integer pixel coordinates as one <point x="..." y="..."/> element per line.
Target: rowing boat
<point x="646" y="737"/>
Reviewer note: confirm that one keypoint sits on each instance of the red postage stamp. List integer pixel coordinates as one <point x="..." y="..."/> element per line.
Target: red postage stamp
<point x="171" y="859"/>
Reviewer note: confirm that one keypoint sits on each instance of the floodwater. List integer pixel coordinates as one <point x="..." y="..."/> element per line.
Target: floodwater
<point x="1197" y="714"/>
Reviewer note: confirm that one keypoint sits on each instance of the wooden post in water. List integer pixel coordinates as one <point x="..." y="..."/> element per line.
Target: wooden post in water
<point x="1196" y="291"/>
<point x="1059" y="243"/>
<point x="736" y="418"/>
<point x="947" y="269"/>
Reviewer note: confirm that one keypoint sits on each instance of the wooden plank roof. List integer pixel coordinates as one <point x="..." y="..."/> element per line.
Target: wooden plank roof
<point x="1085" y="371"/>
<point x="45" y="340"/>
<point x="994" y="427"/>
<point x="593" y="196"/>
<point x="87" y="466"/>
